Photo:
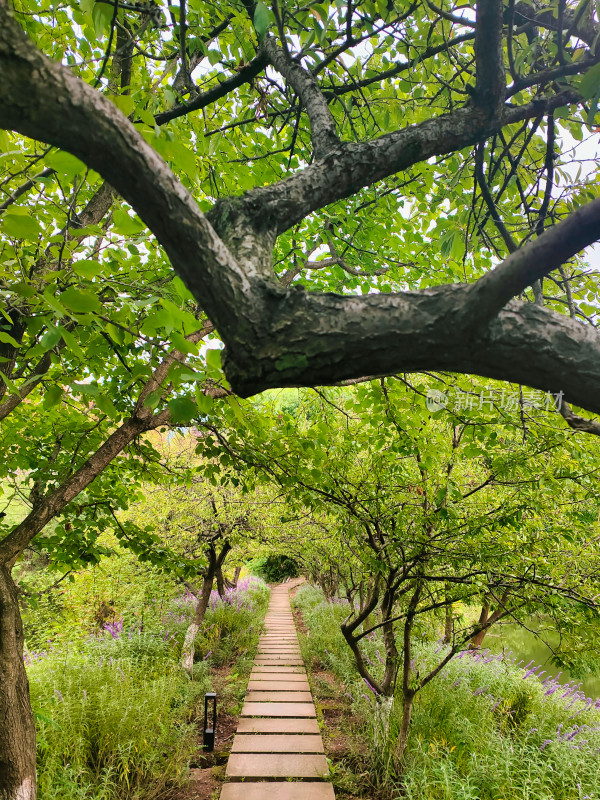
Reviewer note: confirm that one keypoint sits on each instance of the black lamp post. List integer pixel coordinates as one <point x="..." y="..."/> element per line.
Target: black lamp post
<point x="209" y="732"/>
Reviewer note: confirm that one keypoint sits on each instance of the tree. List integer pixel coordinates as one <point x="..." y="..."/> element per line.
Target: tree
<point x="349" y="104"/>
<point x="203" y="523"/>
<point x="487" y="505"/>
<point x="494" y="73"/>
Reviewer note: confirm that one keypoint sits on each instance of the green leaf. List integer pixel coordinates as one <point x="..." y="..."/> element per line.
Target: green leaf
<point x="102" y="14"/>
<point x="157" y="320"/>
<point x="204" y="402"/>
<point x="181" y="343"/>
<point x="106" y="405"/>
<point x="214" y="56"/>
<point x="124" y="102"/>
<point x="72" y="343"/>
<point x="51" y="338"/>
<point x="65" y="164"/>
<point x="213" y="359"/>
<point x="589" y="85"/>
<point x="79" y="301"/>
<point x="262" y="19"/>
<point x="8" y="339"/>
<point x="153" y="398"/>
<point x="126" y="225"/>
<point x="20" y="227"/>
<point x="183" y="409"/>
<point x="86" y="267"/>
<point x="91" y="389"/>
<point x="146" y="116"/>
<point x="52" y="396"/>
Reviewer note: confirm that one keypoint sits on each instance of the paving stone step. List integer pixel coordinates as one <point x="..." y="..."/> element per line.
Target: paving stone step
<point x="278" y="696"/>
<point x="307" y="790"/>
<point x="276" y="765"/>
<point x="278" y="710"/>
<point x="279" y="668"/>
<point x="283" y="677"/>
<point x="278" y="725"/>
<point x="277" y="743"/>
<point x="278" y="686"/>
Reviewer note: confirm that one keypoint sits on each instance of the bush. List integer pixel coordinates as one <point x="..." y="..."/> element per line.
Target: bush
<point x="112" y="718"/>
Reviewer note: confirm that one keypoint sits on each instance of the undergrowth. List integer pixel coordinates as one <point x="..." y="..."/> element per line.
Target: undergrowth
<point x="115" y="713"/>
<point x="484" y="729"/>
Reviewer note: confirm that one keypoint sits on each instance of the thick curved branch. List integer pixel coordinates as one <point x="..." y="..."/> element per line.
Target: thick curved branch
<point x="322" y="125"/>
<point x="353" y="165"/>
<point x="577" y="422"/>
<point x="322" y="339"/>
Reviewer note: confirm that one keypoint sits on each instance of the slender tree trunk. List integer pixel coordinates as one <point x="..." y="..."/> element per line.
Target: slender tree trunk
<point x="408" y="693"/>
<point x="214" y="569"/>
<point x="220" y="582"/>
<point x="477" y="640"/>
<point x="236" y="577"/>
<point x="407" y="707"/>
<point x="188" y="650"/>
<point x="17" y="728"/>
<point x="448" y="625"/>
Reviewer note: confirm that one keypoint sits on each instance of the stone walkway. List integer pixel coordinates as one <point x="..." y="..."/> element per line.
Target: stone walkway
<point x="277" y="752"/>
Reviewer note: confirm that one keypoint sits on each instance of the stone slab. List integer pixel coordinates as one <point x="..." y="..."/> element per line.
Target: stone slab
<point x="306" y="790"/>
<point x="276" y="765"/>
<point x="277" y="743"/>
<point x="278" y="668"/>
<point x="297" y="687"/>
<point x="278" y="710"/>
<point x="278" y="696"/>
<point x="262" y="653"/>
<point x="277" y="677"/>
<point x="281" y="725"/>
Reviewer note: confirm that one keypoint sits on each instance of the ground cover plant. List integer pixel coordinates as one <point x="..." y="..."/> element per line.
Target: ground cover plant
<point x="115" y="713"/>
<point x="488" y="728"/>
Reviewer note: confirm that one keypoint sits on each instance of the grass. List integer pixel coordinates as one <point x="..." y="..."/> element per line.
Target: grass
<point x="485" y="729"/>
<point x="116" y="714"/>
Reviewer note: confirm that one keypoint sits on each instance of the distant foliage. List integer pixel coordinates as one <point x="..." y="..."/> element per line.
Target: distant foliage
<point x="274" y="568"/>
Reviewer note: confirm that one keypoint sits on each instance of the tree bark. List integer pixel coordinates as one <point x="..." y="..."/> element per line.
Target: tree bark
<point x="213" y="569"/>
<point x="407" y="707"/>
<point x="236" y="577"/>
<point x="448" y="624"/>
<point x="220" y="582"/>
<point x="17" y="727"/>
<point x="188" y="649"/>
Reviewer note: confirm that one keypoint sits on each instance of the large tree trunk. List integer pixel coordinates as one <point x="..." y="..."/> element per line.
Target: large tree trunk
<point x="17" y="728"/>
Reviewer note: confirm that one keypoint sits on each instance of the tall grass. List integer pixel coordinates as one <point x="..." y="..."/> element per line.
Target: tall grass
<point x="115" y="713"/>
<point x="484" y="729"/>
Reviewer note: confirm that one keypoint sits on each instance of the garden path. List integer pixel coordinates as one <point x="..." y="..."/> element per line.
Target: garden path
<point x="277" y="752"/>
